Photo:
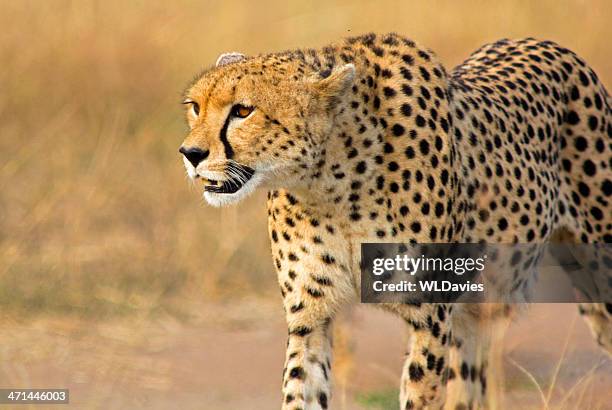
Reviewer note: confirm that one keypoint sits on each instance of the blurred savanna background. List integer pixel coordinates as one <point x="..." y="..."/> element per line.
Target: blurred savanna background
<point x="117" y="282"/>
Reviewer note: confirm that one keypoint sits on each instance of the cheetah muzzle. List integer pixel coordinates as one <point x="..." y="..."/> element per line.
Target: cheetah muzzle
<point x="239" y="175"/>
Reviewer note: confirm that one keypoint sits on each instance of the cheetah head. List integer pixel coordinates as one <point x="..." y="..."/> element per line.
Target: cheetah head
<point x="259" y="121"/>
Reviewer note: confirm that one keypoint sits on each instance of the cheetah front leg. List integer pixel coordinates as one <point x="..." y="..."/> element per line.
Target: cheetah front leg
<point x="306" y="375"/>
<point x="311" y="301"/>
<point x="423" y="376"/>
<point x="467" y="374"/>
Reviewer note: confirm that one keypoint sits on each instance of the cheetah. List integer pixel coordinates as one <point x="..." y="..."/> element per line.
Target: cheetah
<point x="371" y="140"/>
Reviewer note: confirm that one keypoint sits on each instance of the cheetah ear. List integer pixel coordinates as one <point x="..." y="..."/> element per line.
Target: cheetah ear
<point x="229" y="58"/>
<point x="335" y="84"/>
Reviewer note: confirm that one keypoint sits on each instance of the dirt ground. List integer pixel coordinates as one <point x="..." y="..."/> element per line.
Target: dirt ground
<point x="231" y="358"/>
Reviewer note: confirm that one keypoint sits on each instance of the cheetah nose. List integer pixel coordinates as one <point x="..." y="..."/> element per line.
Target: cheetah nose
<point x="194" y="155"/>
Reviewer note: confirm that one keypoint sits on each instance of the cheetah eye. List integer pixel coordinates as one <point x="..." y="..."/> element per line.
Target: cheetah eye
<point x="194" y="106"/>
<point x="241" y="111"/>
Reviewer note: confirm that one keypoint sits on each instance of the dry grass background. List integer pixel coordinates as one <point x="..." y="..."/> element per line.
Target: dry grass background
<point x="97" y="219"/>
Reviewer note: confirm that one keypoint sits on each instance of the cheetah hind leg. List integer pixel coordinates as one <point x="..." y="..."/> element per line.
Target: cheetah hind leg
<point x="599" y="318"/>
<point x="597" y="315"/>
<point x="423" y="376"/>
<point x="469" y="374"/>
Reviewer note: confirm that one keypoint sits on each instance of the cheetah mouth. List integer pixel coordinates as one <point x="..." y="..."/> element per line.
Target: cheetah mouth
<point x="238" y="175"/>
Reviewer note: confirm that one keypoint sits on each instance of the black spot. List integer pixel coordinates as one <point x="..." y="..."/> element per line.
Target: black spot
<point x="465" y="371"/>
<point x="393" y="166"/>
<point x="606" y="187"/>
<point x="296" y="373"/>
<point x="328" y="259"/>
<point x="389" y="92"/>
<point x="589" y="167"/>
<point x="424" y="147"/>
<point x="597" y="213"/>
<point x="580" y="143"/>
<point x="376" y="103"/>
<point x="406" y="110"/>
<point x="323" y="400"/>
<point x="398" y="130"/>
<point x="313" y="292"/>
<point x="408" y="59"/>
<point x="424" y="73"/>
<point x="297" y="308"/>
<point x="416" y="372"/>
<point x="435" y="329"/>
<point x="573" y="118"/>
<point x="406" y="73"/>
<point x="420" y="121"/>
<point x="361" y="167"/>
<point x="583" y="78"/>
<point x="410" y="152"/>
<point x="574" y="93"/>
<point x="441" y="313"/>
<point x="431" y="361"/>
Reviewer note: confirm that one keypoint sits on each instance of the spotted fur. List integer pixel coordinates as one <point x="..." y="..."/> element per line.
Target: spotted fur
<point x="370" y="139"/>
